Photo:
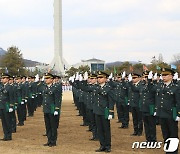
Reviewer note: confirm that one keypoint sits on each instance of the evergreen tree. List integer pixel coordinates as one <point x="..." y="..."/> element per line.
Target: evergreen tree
<point x="12" y="61"/>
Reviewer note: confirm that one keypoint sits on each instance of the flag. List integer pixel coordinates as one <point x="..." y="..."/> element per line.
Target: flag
<point x="115" y="71"/>
<point x="131" y="68"/>
<point x="145" y="68"/>
<point x="6" y="70"/>
<point x="173" y="66"/>
<point x="157" y="67"/>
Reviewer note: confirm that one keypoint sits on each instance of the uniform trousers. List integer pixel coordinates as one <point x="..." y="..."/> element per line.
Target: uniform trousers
<point x="169" y="128"/>
<point x="51" y="127"/>
<point x="104" y="131"/>
<point x="6" y="123"/>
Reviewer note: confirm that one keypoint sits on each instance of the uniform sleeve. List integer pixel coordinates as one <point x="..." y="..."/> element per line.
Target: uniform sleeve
<point x="177" y="96"/>
<point x="57" y="99"/>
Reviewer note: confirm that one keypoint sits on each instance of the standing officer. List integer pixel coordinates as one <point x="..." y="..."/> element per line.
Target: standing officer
<point x="6" y="107"/>
<point x="121" y="99"/>
<point x="103" y="108"/>
<point x="134" y="103"/>
<point x="168" y="108"/>
<point x="51" y="109"/>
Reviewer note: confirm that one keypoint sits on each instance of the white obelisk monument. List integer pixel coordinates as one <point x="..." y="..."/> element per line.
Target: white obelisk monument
<point x="58" y="63"/>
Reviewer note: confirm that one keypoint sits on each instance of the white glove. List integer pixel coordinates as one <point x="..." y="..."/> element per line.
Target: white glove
<point x="123" y="75"/>
<point x="161" y="77"/>
<point x="86" y="75"/>
<point x="55" y="113"/>
<point x="77" y="76"/>
<point x="70" y="78"/>
<point x="110" y="117"/>
<point x="155" y="76"/>
<point x="150" y="75"/>
<point x="175" y="77"/>
<point x="130" y="77"/>
<point x="80" y="77"/>
<point x="10" y="109"/>
<point x="128" y="104"/>
<point x="177" y="118"/>
<point x="154" y="114"/>
<point x="22" y="103"/>
<point x="42" y="78"/>
<point x="111" y="76"/>
<point x="32" y="96"/>
<point x="25" y="100"/>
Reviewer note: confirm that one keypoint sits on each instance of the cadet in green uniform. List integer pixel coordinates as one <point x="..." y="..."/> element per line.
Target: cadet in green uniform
<point x="6" y="107"/>
<point x="19" y="100"/>
<point x="134" y="97"/>
<point x="13" y="91"/>
<point x="58" y="85"/>
<point x="121" y="99"/>
<point x="51" y="109"/>
<point x="93" y="125"/>
<point x="168" y="108"/>
<point x="103" y="108"/>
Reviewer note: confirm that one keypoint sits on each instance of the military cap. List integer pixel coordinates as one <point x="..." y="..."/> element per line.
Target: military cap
<point x="48" y="75"/>
<point x="5" y="75"/>
<point x="102" y="74"/>
<point x="145" y="74"/>
<point x="11" y="77"/>
<point x="30" y="77"/>
<point x="18" y="77"/>
<point x="23" y="76"/>
<point x="93" y="76"/>
<point x="57" y="76"/>
<point x="135" y="75"/>
<point x="119" y="75"/>
<point x="167" y="71"/>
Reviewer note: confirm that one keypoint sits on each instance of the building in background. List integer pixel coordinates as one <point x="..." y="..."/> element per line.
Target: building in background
<point x="94" y="64"/>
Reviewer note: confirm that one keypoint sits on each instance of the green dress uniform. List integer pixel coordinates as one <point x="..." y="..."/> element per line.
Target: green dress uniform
<point x="20" y="103"/>
<point x="6" y="102"/>
<point x="102" y="107"/>
<point x="30" y="105"/>
<point x="147" y="102"/>
<point x="51" y="103"/>
<point x="121" y="99"/>
<point x="168" y="108"/>
<point x="134" y="98"/>
<point x="58" y="85"/>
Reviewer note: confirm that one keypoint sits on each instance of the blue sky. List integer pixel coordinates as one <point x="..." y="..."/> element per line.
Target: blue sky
<point x="111" y="30"/>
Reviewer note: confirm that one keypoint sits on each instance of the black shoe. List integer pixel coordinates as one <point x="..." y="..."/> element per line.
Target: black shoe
<point x="94" y="139"/>
<point x="46" y="144"/>
<point x="13" y="131"/>
<point x="101" y="149"/>
<point x="20" y="124"/>
<point x="89" y="130"/>
<point x="52" y="144"/>
<point x="108" y="150"/>
<point x="7" y="139"/>
<point x="134" y="134"/>
<point x="139" y="134"/>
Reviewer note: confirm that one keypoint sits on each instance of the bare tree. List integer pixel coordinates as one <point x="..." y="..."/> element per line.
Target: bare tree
<point x="176" y="59"/>
<point x="160" y="59"/>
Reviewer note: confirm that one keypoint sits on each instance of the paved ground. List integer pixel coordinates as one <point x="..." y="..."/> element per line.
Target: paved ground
<point x="72" y="138"/>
